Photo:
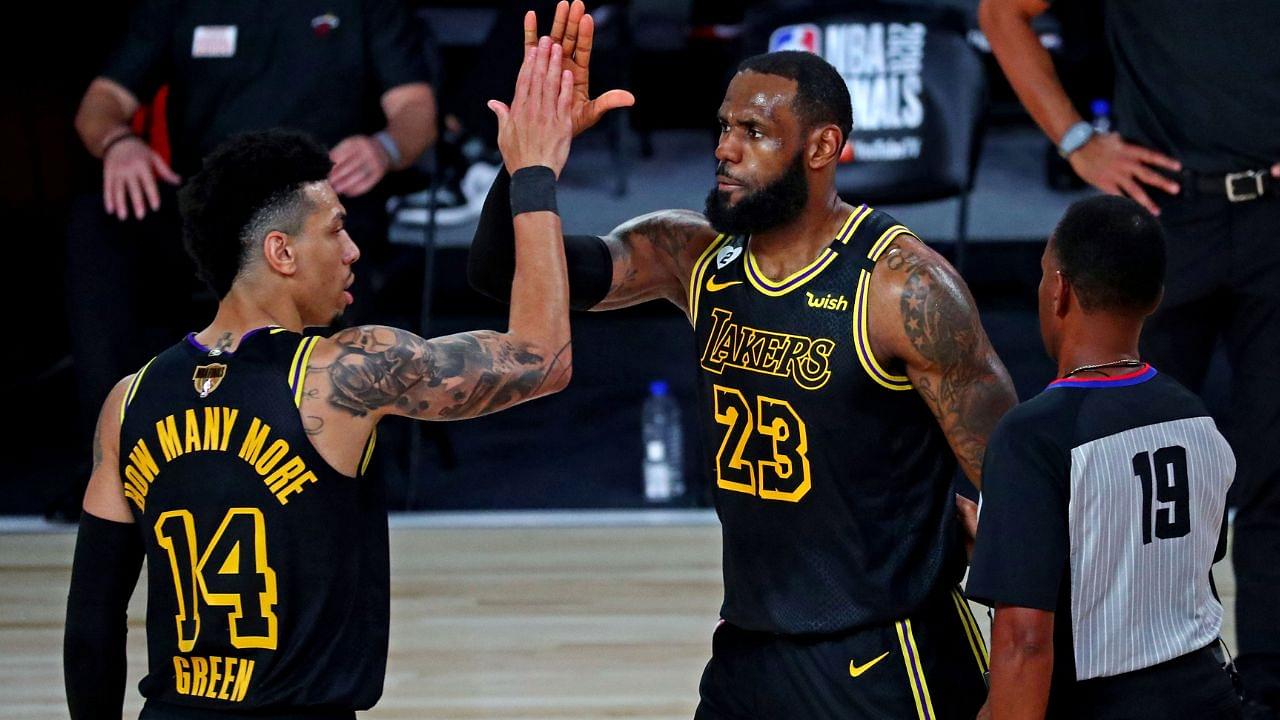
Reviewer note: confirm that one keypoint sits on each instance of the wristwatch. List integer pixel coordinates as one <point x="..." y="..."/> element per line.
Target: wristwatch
<point x="1074" y="138"/>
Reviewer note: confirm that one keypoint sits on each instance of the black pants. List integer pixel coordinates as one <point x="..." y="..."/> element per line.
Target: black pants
<point x="929" y="667"/>
<point x="131" y="291"/>
<point x="1224" y="282"/>
<point x="1191" y="686"/>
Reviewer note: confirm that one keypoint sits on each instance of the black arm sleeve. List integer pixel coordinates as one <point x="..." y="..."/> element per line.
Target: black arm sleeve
<point x="491" y="265"/>
<point x="105" y="570"/>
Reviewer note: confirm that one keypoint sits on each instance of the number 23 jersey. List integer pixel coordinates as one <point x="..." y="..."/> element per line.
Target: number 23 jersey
<point x="830" y="475"/>
<point x="267" y="569"/>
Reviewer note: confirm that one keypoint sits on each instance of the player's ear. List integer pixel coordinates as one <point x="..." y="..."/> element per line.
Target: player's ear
<point x="825" y="144"/>
<point x="280" y="253"/>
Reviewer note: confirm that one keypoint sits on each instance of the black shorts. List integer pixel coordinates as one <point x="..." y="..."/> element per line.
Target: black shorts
<point x="159" y="710"/>
<point x="929" y="667"/>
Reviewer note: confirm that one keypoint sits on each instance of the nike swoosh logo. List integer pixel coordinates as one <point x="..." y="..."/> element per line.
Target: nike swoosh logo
<point x="713" y="286"/>
<point x="855" y="671"/>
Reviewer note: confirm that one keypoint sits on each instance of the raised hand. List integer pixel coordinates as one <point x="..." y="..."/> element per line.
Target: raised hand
<point x="574" y="31"/>
<point x="537" y="127"/>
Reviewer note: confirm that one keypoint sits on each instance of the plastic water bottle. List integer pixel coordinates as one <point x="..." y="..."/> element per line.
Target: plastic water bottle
<point x="1101" y="111"/>
<point x="663" y="445"/>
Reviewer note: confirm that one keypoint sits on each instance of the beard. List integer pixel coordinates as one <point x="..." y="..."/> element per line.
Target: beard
<point x="764" y="208"/>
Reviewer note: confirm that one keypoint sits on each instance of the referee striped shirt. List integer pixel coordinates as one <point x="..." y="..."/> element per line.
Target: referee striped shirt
<point x="1103" y="501"/>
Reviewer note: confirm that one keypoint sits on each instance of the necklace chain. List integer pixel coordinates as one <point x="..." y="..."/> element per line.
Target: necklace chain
<point x="1123" y="362"/>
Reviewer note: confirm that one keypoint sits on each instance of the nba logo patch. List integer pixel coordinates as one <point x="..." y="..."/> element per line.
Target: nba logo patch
<point x="207" y="378"/>
<point x="806" y="37"/>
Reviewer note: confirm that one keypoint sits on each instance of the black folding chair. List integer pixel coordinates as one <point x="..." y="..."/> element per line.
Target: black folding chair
<point x="919" y="96"/>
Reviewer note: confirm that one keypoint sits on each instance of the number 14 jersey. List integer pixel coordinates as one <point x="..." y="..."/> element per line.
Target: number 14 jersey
<point x="830" y="475"/>
<point x="267" y="569"/>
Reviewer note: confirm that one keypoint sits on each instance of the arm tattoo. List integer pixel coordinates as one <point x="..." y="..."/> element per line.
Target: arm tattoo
<point x="458" y="376"/>
<point x="668" y="233"/>
<point x="969" y="389"/>
<point x="97" y="445"/>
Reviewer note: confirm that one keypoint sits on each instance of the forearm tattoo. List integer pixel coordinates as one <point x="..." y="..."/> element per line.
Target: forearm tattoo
<point x="970" y="390"/>
<point x="668" y="233"/>
<point x="451" y="377"/>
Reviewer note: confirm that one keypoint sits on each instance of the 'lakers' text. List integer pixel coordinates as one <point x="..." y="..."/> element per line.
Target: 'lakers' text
<point x="805" y="360"/>
<point x="216" y="429"/>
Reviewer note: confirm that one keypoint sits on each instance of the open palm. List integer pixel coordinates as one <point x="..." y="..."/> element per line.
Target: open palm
<point x="574" y="30"/>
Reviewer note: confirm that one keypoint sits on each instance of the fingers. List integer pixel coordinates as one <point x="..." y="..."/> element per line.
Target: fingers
<point x="151" y="192"/>
<point x="530" y="30"/>
<point x="561" y="18"/>
<point x="108" y="191"/>
<point x="586" y="36"/>
<point x="162" y="169"/>
<point x="1138" y="195"/>
<point x="501" y="110"/>
<point x="523" y="78"/>
<point x="1275" y="170"/>
<point x="1151" y="157"/>
<point x="1155" y="179"/>
<point x="136" y="198"/>
<point x="551" y="83"/>
<point x="564" y="103"/>
<point x="613" y="100"/>
<point x="538" y="77"/>
<point x="118" y="204"/>
<point x="570" y="41"/>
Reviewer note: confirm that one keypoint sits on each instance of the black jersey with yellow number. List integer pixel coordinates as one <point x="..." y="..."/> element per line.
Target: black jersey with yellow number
<point x="831" y="477"/>
<point x="267" y="569"/>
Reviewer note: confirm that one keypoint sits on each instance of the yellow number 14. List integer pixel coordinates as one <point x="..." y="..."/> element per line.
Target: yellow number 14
<point x="232" y="573"/>
<point x="782" y="476"/>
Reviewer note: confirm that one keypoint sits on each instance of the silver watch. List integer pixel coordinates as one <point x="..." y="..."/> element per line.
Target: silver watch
<point x="1075" y="137"/>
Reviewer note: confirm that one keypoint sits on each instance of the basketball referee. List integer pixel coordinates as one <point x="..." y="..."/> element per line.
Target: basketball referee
<point x="238" y="461"/>
<point x="1103" y="501"/>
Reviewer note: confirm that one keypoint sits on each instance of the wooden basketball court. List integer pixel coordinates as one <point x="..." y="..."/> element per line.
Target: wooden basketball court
<point x="589" y="615"/>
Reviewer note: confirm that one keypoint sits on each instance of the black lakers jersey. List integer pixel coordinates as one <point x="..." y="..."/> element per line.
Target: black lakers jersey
<point x="267" y="569"/>
<point x="831" y="477"/>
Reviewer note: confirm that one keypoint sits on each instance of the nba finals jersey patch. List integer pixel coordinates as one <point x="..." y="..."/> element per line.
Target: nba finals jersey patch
<point x="208" y="377"/>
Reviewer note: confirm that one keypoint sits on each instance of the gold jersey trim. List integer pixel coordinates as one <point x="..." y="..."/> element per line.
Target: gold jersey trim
<point x="298" y="369"/>
<point x="861" y="315"/>
<point x="368" y="452"/>
<point x="699" y="269"/>
<point x="133" y="388"/>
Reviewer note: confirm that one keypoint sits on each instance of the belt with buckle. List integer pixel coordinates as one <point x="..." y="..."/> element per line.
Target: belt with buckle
<point x="1238" y="186"/>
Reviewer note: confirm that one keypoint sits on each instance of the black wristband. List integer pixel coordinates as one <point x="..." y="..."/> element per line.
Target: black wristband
<point x="533" y="189"/>
<point x="116" y="140"/>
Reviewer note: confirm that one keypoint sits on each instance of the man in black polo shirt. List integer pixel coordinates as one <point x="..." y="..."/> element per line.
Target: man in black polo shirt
<point x="1102" y="503"/>
<point x="349" y="72"/>
<point x="1197" y="102"/>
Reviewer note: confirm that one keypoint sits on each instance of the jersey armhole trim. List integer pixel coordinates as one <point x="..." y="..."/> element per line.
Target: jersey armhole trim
<point x="133" y="388"/>
<point x="298" y="368"/>
<point x="368" y="452"/>
<point x="861" y="314"/>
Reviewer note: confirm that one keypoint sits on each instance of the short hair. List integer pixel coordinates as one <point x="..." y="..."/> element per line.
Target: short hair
<point x="1112" y="251"/>
<point x="250" y="185"/>
<point x="822" y="96"/>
